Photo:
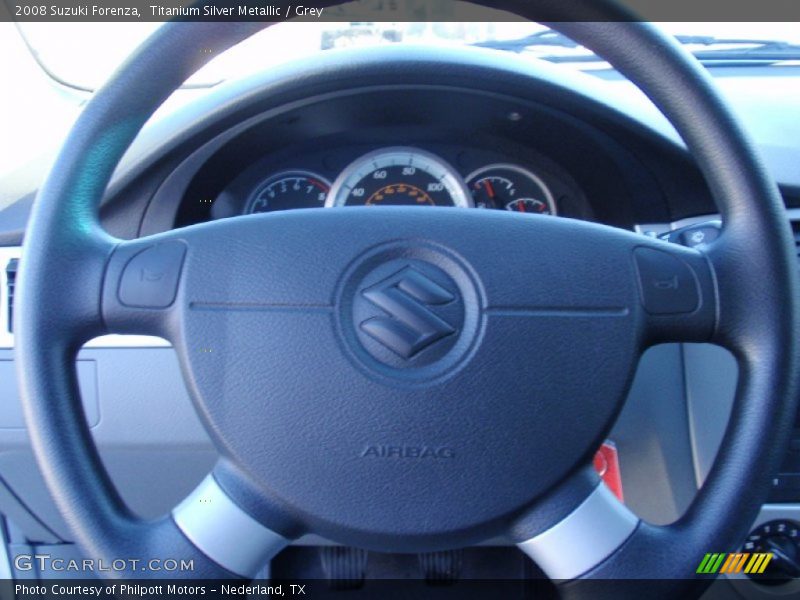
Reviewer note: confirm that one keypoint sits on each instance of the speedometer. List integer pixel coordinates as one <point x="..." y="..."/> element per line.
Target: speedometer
<point x="399" y="176"/>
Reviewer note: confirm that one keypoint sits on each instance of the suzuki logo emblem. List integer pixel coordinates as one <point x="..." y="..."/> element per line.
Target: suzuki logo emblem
<point x="410" y="325"/>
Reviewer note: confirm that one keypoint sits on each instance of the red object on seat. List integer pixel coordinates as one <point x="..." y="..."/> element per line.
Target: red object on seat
<point x="606" y="463"/>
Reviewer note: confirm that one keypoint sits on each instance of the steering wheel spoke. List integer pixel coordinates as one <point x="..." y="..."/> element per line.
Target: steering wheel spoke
<point x="575" y="528"/>
<point x="73" y="314"/>
<point x="212" y="517"/>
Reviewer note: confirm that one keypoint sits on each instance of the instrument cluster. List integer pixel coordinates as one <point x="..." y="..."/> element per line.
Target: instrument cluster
<point x="405" y="176"/>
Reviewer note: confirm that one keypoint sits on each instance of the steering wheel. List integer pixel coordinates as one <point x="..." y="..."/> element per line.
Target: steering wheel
<point x="360" y="370"/>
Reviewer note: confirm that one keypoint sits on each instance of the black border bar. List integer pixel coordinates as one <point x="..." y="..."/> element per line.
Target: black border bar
<point x="738" y="11"/>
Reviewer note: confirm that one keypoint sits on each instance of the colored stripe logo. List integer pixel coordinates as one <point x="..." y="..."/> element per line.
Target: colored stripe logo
<point x="735" y="562"/>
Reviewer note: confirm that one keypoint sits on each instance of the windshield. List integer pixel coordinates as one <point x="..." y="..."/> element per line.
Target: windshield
<point x="83" y="55"/>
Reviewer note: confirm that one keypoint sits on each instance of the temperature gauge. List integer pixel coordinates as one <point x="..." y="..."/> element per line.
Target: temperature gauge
<point x="510" y="187"/>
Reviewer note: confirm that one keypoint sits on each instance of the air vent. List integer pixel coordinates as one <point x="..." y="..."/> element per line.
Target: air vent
<point x="11" y="277"/>
<point x="796" y="231"/>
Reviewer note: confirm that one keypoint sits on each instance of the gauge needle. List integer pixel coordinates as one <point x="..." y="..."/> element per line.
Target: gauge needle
<point x="489" y="189"/>
<point x="521" y="207"/>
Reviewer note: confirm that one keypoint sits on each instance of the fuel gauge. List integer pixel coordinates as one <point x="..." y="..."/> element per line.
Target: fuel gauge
<point x="510" y="187"/>
<point x="530" y="205"/>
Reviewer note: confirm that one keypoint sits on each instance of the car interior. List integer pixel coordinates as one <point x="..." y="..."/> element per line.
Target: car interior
<point x="512" y="314"/>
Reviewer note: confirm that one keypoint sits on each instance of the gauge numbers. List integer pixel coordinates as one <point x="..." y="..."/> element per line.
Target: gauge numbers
<point x="289" y="189"/>
<point x="781" y="539"/>
<point x="399" y="176"/>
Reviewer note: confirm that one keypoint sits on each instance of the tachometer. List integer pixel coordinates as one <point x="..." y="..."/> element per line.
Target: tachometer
<point x="399" y="176"/>
<point x="289" y="189"/>
<point x="512" y="188"/>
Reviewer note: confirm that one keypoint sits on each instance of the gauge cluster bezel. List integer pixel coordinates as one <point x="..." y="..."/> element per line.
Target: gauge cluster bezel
<point x="595" y="173"/>
<point x="324" y="137"/>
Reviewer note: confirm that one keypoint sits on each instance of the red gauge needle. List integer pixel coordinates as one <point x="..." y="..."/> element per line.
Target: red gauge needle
<point x="489" y="189"/>
<point x="521" y="206"/>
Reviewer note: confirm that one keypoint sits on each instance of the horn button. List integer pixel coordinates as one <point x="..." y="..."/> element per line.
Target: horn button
<point x="414" y="392"/>
<point x="409" y="311"/>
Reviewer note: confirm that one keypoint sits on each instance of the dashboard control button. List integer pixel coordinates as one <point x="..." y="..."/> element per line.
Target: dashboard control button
<point x="696" y="236"/>
<point x="699" y="236"/>
<point x="666" y="283"/>
<point x="780" y="541"/>
<point x="150" y="279"/>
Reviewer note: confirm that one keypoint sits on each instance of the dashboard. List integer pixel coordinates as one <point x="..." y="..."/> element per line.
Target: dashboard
<point x="377" y="147"/>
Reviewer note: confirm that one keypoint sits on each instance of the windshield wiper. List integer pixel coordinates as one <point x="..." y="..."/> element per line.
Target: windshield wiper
<point x="759" y="50"/>
<point x="755" y="50"/>
<point x="540" y="38"/>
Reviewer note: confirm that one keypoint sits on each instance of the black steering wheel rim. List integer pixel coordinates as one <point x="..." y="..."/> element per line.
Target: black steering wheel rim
<point x="64" y="231"/>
